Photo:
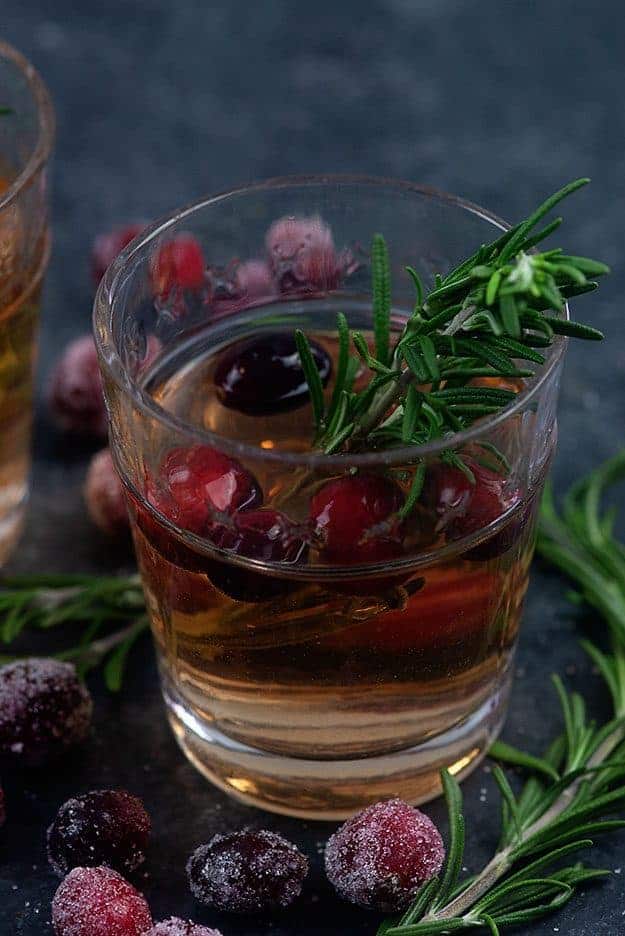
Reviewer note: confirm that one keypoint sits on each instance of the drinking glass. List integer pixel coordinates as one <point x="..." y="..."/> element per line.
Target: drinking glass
<point x="306" y="679"/>
<point x="26" y="137"/>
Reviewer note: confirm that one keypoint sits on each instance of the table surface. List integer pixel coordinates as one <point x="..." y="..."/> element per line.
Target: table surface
<point x="161" y="102"/>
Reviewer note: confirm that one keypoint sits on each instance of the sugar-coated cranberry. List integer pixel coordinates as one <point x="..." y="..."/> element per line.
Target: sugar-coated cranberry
<point x="104" y="827"/>
<point x="99" y="902"/>
<point x="382" y="856"/>
<point x="75" y="395"/>
<point x="104" y="495"/>
<point x="177" y="927"/>
<point x="254" y="279"/>
<point x="256" y="534"/>
<point x="44" y="710"/>
<point x="264" y="375"/>
<point x="179" y="263"/>
<point x="302" y="254"/>
<point x="355" y="519"/>
<point x="247" y="872"/>
<point x="107" y="246"/>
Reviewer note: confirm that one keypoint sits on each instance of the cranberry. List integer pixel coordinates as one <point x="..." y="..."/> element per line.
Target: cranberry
<point x="355" y="520"/>
<point x="177" y="927"/>
<point x="382" y="856"/>
<point x="107" y="246"/>
<point x="302" y="255"/>
<point x="104" y="495"/>
<point x="44" y="710"/>
<point x="99" y="902"/>
<point x="256" y="534"/>
<point x="254" y="279"/>
<point x="448" y="491"/>
<point x="75" y="396"/>
<point x="247" y="872"/>
<point x="105" y="827"/>
<point x="179" y="263"/>
<point x="262" y="376"/>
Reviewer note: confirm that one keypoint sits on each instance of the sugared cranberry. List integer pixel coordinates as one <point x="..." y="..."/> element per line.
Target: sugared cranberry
<point x="382" y="856"/>
<point x="247" y="872"/>
<point x="44" y="710"/>
<point x="99" y="902"/>
<point x="355" y="520"/>
<point x="105" y="827"/>
<point x="107" y="246"/>
<point x="302" y="254"/>
<point x="104" y="495"/>
<point x="177" y="927"/>
<point x="179" y="263"/>
<point x="254" y="279"/>
<point x="256" y="534"/>
<point x="75" y="396"/>
<point x="262" y="376"/>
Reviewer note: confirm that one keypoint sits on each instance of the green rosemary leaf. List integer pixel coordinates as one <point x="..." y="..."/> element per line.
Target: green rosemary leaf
<point x="511" y="755"/>
<point x="412" y="405"/>
<point x="573" y="329"/>
<point x="428" y="353"/>
<point x="490" y="923"/>
<point x="381" y="288"/>
<point x="455" y="851"/>
<point x="586" y="265"/>
<point x="518" y="349"/>
<point x="4" y="110"/>
<point x="541" y="235"/>
<point x="342" y="366"/>
<point x="339" y="439"/>
<point x="510" y="316"/>
<point x="508" y="799"/>
<point x="116" y="663"/>
<point x="362" y="348"/>
<point x="493" y="286"/>
<point x="500" y="457"/>
<point x="418" y="285"/>
<point x="414" y="493"/>
<point x="515" y="242"/>
<point x="312" y="377"/>
<point x="421" y="902"/>
<point x="569" y="291"/>
<point x="415" y="362"/>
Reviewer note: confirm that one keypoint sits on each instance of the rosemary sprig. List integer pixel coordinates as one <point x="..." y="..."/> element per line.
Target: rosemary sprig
<point x="89" y="602"/>
<point x="577" y="784"/>
<point x="488" y="317"/>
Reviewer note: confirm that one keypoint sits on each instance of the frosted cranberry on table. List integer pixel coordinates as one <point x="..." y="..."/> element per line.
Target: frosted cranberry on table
<point x="74" y="395"/>
<point x="302" y="254"/>
<point x="104" y="495"/>
<point x="106" y="247"/>
<point x="99" y="902"/>
<point x="45" y="709"/>
<point x="383" y="855"/>
<point x="104" y="827"/>
<point x="177" y="927"/>
<point x="247" y="872"/>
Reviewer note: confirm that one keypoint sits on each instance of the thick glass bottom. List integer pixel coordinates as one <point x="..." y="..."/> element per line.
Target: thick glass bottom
<point x="335" y="789"/>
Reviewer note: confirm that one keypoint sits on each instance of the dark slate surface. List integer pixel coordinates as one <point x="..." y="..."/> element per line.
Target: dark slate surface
<point x="161" y="102"/>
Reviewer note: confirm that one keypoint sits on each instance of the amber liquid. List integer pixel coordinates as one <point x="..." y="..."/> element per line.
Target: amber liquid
<point x="20" y="291"/>
<point x="319" y="672"/>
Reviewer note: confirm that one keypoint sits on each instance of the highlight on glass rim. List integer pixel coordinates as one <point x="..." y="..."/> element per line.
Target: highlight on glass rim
<point x="312" y="569"/>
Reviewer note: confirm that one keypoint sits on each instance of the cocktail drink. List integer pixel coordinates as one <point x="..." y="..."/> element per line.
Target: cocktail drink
<point x="329" y="631"/>
<point x="26" y="134"/>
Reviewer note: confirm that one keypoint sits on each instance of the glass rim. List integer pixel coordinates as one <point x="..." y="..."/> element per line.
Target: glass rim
<point x="115" y="370"/>
<point x="46" y="123"/>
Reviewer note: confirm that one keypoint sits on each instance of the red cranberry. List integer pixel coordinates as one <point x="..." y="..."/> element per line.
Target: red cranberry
<point x="262" y="376"/>
<point x="247" y="872"/>
<point x="382" y="856"/>
<point x="44" y="710"/>
<point x="104" y="495"/>
<point x="448" y="491"/>
<point x="254" y="279"/>
<point x="99" y="902"/>
<point x="75" y="396"/>
<point x="107" y="246"/>
<point x="105" y="827"/>
<point x="177" y="927"/>
<point x="179" y="264"/>
<point x="302" y="255"/>
<point x="355" y="519"/>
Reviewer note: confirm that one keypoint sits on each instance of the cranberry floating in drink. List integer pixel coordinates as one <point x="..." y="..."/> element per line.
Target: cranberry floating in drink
<point x="333" y="478"/>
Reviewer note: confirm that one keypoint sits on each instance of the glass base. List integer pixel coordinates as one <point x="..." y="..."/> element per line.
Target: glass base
<point x="335" y="789"/>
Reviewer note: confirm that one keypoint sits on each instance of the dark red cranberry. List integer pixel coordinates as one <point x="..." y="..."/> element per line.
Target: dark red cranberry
<point x="179" y="264"/>
<point x="99" y="902"/>
<point x="355" y="519"/>
<point x="247" y="872"/>
<point x="75" y="396"/>
<point x="382" y="856"/>
<point x="177" y="927"/>
<point x="44" y="710"/>
<point x="302" y="254"/>
<point x="105" y="827"/>
<point x="448" y="491"/>
<point x="107" y="246"/>
<point x="262" y="376"/>
<point x="104" y="495"/>
<point x="256" y="534"/>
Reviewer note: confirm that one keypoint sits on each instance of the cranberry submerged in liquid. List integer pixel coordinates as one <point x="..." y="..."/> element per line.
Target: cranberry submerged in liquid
<point x="262" y="376"/>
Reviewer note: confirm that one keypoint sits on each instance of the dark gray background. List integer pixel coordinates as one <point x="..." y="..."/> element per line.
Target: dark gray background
<point x="160" y="102"/>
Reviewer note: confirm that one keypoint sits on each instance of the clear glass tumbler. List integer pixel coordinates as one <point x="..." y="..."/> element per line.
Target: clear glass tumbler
<point x="26" y="138"/>
<point x="316" y="653"/>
